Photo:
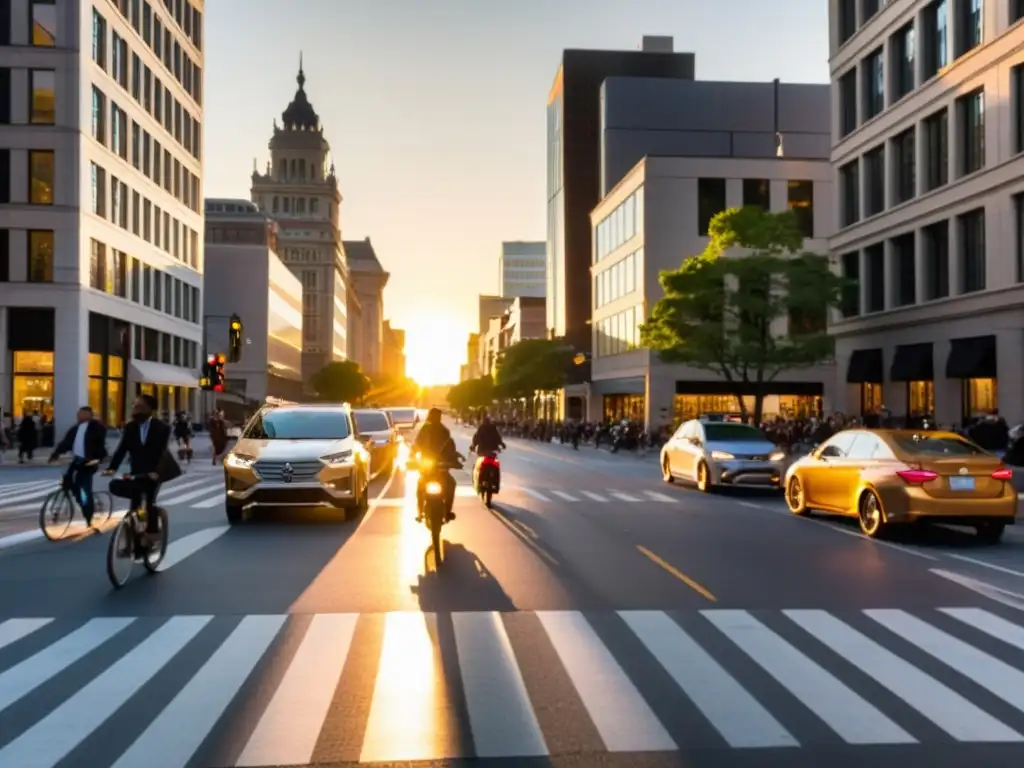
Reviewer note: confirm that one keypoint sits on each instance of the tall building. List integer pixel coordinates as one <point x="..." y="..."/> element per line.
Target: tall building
<point x="300" y="190"/>
<point x="393" y="351"/>
<point x="928" y="150"/>
<point x="101" y="209"/>
<point x="522" y="267"/>
<point x="574" y="177"/>
<point x="366" y="326"/>
<point x="244" y="276"/>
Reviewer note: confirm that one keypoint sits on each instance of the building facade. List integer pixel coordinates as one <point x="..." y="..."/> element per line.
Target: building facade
<point x="393" y="351"/>
<point x="522" y="269"/>
<point x="300" y="190"/>
<point x="527" y="319"/>
<point x="100" y="206"/>
<point x="245" y="276"/>
<point x="652" y="220"/>
<point x="471" y="370"/>
<point x="928" y="151"/>
<point x="367" y="282"/>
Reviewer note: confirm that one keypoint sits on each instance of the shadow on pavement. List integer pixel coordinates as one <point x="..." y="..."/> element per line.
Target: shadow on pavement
<point x="462" y="583"/>
<point x="927" y="535"/>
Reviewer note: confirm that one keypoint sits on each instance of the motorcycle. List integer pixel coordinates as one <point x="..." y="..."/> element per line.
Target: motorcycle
<point x="434" y="508"/>
<point x="487" y="476"/>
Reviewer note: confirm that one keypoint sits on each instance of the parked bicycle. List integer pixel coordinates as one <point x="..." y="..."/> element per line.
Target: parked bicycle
<point x="129" y="546"/>
<point x="58" y="510"/>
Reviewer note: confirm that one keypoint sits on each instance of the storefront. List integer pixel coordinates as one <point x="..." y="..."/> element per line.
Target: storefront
<point x="30" y="346"/>
<point x="973" y="361"/>
<point x="783" y="399"/>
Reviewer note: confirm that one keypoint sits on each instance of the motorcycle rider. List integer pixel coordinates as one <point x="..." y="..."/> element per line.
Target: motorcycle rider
<point x="434" y="440"/>
<point x="486" y="439"/>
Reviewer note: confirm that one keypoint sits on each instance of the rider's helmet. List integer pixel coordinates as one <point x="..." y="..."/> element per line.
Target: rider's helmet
<point x="434" y="416"/>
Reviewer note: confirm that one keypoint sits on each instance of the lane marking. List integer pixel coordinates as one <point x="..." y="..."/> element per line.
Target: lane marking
<point x="595" y="497"/>
<point x="12" y="630"/>
<point x="382" y="495"/>
<point x="984" y="564"/>
<point x="662" y="497"/>
<point x="563" y="495"/>
<point x="990" y="624"/>
<point x="622" y="496"/>
<point x="536" y="494"/>
<point x="1002" y="596"/>
<point x="696" y="587"/>
<point x="186" y="546"/>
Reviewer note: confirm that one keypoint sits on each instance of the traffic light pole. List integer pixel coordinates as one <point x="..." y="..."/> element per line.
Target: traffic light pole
<point x="210" y="400"/>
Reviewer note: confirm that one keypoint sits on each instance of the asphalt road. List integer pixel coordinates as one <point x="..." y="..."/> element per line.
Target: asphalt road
<point x="595" y="617"/>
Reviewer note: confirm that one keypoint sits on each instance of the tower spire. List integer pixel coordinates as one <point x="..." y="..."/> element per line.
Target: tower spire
<point x="301" y="79"/>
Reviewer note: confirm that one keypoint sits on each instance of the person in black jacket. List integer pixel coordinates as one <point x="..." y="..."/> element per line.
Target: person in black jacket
<point x="434" y="440"/>
<point x="486" y="439"/>
<point x="144" y="441"/>
<point x="87" y="442"/>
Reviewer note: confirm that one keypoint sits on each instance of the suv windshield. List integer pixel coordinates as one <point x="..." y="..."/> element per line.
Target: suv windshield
<point x="299" y="424"/>
<point x="371" y="421"/>
<point x="724" y="431"/>
<point x="403" y="415"/>
<point x="936" y="446"/>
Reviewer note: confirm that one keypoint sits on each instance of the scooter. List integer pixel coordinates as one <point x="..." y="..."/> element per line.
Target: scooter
<point x="434" y="508"/>
<point x="487" y="476"/>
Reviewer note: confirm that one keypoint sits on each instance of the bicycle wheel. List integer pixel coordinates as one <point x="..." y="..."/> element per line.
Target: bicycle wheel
<point x="103" y="506"/>
<point x="120" y="552"/>
<point x="155" y="555"/>
<point x="56" y="514"/>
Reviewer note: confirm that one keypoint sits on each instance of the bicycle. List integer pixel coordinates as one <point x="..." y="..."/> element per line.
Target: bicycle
<point x="126" y="545"/>
<point x="63" y="501"/>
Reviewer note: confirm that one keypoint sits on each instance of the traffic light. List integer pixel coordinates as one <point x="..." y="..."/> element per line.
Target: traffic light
<point x="235" y="339"/>
<point x="213" y="374"/>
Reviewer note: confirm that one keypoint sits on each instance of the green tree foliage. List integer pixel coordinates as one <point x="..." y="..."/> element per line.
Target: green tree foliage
<point x="471" y="394"/>
<point x="341" y="381"/>
<point x="533" y="365"/>
<point x="390" y="391"/>
<point x="719" y="307"/>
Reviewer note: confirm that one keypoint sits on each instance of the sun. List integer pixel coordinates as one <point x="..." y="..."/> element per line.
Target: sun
<point x="435" y="349"/>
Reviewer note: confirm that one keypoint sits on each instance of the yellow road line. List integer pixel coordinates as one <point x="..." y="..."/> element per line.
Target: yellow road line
<point x="677" y="573"/>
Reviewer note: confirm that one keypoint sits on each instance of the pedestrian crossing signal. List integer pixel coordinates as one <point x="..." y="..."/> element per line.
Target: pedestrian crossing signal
<point x="213" y="373"/>
<point x="235" y="339"/>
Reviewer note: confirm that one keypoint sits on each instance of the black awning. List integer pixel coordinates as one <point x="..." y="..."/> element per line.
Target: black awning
<point x="912" y="362"/>
<point x="973" y="358"/>
<point x="866" y="367"/>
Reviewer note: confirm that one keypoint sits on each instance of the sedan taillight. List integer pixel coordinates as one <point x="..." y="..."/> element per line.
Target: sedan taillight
<point x="917" y="476"/>
<point x="1003" y="474"/>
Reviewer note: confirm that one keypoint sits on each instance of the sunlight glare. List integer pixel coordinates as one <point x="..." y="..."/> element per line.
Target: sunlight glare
<point x="435" y="349"/>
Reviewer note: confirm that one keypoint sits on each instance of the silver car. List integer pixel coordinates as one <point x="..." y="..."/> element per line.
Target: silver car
<point x="380" y="437"/>
<point x="717" y="453"/>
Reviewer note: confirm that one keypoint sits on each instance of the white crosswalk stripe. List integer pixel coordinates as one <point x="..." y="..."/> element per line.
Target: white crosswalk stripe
<point x="290" y="675"/>
<point x="579" y="496"/>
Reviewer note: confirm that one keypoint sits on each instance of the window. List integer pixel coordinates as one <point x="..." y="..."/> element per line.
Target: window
<point x="874" y="181"/>
<point x="136" y="77"/>
<point x="1018" y="227"/>
<point x="1016" y="10"/>
<point x="99" y="190"/>
<point x="44" y="23"/>
<point x="875" y="263"/>
<point x="935" y="240"/>
<point x="99" y="39"/>
<point x="850" y="300"/>
<point x="755" y="192"/>
<point x="99" y="116"/>
<point x="42" y="105"/>
<point x="41" y="171"/>
<point x="847" y="19"/>
<point x="902" y="48"/>
<point x="136" y="145"/>
<point x="868" y="9"/>
<point x="906" y="269"/>
<point x="118" y="131"/>
<point x="849" y="194"/>
<point x="971" y="116"/>
<point x="800" y="199"/>
<point x="873" y="78"/>
<point x="848" y="102"/>
<point x="936" y="150"/>
<point x="969" y="30"/>
<point x="5" y="175"/>
<point x="935" y="39"/>
<point x="5" y="95"/>
<point x="97" y="265"/>
<point x="299" y="424"/>
<point x="40" y="255"/>
<point x="904" y="166"/>
<point x="710" y="202"/>
<point x="1017" y="105"/>
<point x="972" y="250"/>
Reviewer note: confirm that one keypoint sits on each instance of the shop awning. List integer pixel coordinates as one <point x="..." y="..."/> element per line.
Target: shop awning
<point x="973" y="358"/>
<point x="912" y="362"/>
<point x="865" y="367"/>
<point x="147" y="372"/>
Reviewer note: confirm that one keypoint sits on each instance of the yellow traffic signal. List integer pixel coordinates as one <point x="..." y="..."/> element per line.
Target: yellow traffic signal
<point x="236" y="326"/>
<point x="221" y="359"/>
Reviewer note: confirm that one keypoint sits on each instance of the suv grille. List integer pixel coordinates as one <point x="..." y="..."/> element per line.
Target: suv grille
<point x="302" y="471"/>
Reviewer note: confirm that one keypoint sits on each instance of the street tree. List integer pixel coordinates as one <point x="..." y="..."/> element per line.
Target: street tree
<point x="341" y="381"/>
<point x="533" y="365"/>
<point x="720" y="306"/>
<point x="471" y="394"/>
<point x="386" y="391"/>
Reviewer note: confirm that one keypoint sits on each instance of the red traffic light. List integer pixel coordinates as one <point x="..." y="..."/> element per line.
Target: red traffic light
<point x="212" y="359"/>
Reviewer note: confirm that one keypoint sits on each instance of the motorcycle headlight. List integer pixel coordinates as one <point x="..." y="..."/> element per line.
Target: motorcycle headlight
<point x="777" y="456"/>
<point x="425" y="462"/>
<point x="433" y="488"/>
<point x="335" y="459"/>
<point x="239" y="461"/>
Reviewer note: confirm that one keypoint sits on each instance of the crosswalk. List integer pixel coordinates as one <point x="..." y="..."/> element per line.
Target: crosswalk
<point x="271" y="690"/>
<point x="609" y="496"/>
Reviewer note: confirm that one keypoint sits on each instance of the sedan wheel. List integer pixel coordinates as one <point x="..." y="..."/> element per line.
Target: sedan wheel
<point x="666" y="471"/>
<point x="795" y="497"/>
<point x="870" y="515"/>
<point x="703" y="478"/>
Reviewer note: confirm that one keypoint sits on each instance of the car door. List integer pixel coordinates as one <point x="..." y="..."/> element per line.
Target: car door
<point x="845" y="473"/>
<point x="672" y="451"/>
<point x="685" y="457"/>
<point x="817" y="474"/>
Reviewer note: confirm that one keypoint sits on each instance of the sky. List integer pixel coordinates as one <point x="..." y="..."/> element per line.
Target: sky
<point x="435" y="113"/>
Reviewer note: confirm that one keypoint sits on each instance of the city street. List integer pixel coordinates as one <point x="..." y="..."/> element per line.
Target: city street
<point x="595" y="617"/>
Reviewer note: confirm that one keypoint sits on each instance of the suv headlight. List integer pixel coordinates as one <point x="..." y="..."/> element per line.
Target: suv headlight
<point x="721" y="455"/>
<point x="239" y="461"/>
<point x="777" y="456"/>
<point x="334" y="459"/>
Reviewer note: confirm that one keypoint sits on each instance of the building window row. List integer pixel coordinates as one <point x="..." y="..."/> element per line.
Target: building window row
<point x="619" y="333"/>
<point x="620" y="279"/>
<point x="711" y="201"/>
<point x="156" y="347"/>
<point x="149" y="92"/>
<point x="41" y="107"/>
<point x="37" y="257"/>
<point x="295" y="205"/>
<point x="917" y="52"/>
<point x="118" y="203"/>
<point x="892" y="274"/>
<point x="620" y="226"/>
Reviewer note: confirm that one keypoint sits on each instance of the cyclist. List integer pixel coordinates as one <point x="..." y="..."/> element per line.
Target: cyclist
<point x="87" y="442"/>
<point x="144" y="440"/>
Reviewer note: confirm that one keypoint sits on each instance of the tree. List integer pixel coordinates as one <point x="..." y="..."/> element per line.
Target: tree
<point x="341" y="381"/>
<point x="533" y="365"/>
<point x="719" y="308"/>
<point x="388" y="391"/>
<point x="472" y="393"/>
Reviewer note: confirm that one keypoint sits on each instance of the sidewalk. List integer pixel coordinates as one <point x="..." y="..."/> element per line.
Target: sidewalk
<point x="201" y="447"/>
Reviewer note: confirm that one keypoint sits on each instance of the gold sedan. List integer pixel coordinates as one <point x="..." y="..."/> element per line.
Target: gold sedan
<point x="887" y="477"/>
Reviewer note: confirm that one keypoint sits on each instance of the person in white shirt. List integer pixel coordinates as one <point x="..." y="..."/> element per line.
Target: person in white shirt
<point x="87" y="442"/>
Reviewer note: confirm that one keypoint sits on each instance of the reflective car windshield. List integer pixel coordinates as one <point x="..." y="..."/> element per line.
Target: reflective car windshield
<point x="371" y="421"/>
<point x="403" y="415"/>
<point x="299" y="425"/>
<point x="936" y="446"/>
<point x="724" y="431"/>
